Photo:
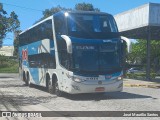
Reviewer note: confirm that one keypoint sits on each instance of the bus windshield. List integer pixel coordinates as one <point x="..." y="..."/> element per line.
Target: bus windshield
<point x="92" y="26"/>
<point x="96" y="58"/>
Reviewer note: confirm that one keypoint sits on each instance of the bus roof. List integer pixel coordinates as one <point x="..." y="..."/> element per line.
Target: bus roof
<point x="37" y="24"/>
<point x="83" y="12"/>
<point x="62" y="12"/>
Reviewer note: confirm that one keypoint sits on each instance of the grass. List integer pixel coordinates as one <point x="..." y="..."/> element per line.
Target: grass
<point x="140" y="75"/>
<point x="10" y="69"/>
<point x="8" y="65"/>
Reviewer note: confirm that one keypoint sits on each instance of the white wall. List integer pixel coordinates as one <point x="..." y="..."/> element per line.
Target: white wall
<point x="6" y="50"/>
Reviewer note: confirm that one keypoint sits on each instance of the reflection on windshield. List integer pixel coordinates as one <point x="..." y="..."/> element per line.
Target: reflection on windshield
<point x="95" y="57"/>
<point x="92" y="26"/>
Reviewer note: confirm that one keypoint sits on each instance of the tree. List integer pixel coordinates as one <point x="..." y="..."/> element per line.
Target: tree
<point x="3" y="23"/>
<point x="16" y="42"/>
<point x="3" y="59"/>
<point x="13" y="22"/>
<point x="7" y="24"/>
<point x="85" y="7"/>
<point x="14" y="27"/>
<point x="79" y="6"/>
<point x="53" y="10"/>
<point x="139" y="50"/>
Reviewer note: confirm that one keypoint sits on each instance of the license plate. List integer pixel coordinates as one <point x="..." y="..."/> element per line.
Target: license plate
<point x="99" y="89"/>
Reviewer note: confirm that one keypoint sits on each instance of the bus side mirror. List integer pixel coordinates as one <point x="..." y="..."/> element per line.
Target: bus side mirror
<point x="68" y="43"/>
<point x="128" y="41"/>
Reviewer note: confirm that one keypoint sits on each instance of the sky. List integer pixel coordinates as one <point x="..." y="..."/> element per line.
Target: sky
<point x="28" y="17"/>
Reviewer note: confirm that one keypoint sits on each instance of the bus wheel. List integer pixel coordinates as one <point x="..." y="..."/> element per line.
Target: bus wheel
<point x="25" y="79"/>
<point x="50" y="87"/>
<point x="56" y="89"/>
<point x="28" y="82"/>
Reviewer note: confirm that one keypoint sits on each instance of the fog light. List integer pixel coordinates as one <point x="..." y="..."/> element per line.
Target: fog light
<point x="76" y="79"/>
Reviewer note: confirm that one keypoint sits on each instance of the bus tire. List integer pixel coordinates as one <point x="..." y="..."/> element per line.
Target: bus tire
<point x="28" y="82"/>
<point x="26" y="79"/>
<point x="50" y="87"/>
<point x="58" y="92"/>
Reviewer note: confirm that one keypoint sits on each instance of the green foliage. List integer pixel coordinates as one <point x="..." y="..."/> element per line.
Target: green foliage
<point x="79" y="6"/>
<point x="8" y="65"/>
<point x="16" y="43"/>
<point x="139" y="75"/>
<point x="13" y="22"/>
<point x="3" y="59"/>
<point x="3" y="23"/>
<point x="10" y="69"/>
<point x="139" y="52"/>
<point x="7" y="24"/>
<point x="53" y="10"/>
<point x="86" y="7"/>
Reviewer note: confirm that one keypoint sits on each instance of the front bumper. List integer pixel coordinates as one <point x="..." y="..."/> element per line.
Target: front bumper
<point x="77" y="88"/>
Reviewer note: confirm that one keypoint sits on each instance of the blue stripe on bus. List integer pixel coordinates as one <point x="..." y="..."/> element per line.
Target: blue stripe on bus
<point x="34" y="72"/>
<point x="33" y="47"/>
<point x="116" y="74"/>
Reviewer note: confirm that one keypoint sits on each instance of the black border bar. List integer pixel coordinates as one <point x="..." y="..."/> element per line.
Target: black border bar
<point x="79" y="113"/>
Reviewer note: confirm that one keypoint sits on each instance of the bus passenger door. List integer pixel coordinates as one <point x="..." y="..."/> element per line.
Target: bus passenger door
<point x="64" y="61"/>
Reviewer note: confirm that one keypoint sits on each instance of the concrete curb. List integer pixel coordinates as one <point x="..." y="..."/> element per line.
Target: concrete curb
<point x="142" y="85"/>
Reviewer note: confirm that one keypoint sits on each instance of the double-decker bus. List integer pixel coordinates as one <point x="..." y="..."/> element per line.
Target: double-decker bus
<point x="73" y="52"/>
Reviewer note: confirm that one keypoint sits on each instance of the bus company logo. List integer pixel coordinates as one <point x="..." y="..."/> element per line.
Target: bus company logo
<point x="24" y="54"/>
<point x="85" y="47"/>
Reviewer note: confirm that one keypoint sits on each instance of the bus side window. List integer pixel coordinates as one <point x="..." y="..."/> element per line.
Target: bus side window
<point x="63" y="54"/>
<point x="60" y="29"/>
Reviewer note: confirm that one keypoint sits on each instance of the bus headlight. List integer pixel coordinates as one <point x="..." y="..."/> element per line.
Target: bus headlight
<point x="76" y="79"/>
<point x="120" y="78"/>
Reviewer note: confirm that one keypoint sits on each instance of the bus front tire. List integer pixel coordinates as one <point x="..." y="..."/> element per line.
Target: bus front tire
<point x="56" y="89"/>
<point x="53" y="87"/>
<point x="50" y="88"/>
